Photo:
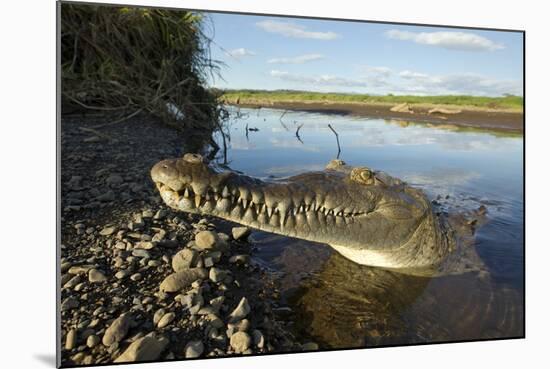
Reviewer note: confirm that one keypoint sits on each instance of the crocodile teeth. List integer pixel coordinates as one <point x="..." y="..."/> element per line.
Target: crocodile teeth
<point x="269" y="211"/>
<point x="225" y="192"/>
<point x="197" y="200"/>
<point x="245" y="203"/>
<point x="186" y="193"/>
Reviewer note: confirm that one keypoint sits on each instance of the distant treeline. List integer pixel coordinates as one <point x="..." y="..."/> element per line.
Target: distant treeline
<point x="508" y="102"/>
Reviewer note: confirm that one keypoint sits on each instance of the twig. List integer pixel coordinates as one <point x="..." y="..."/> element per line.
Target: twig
<point x="120" y="120"/>
<point x="298" y="133"/>
<point x="337" y="140"/>
<point x="95" y="132"/>
<point x="246" y="130"/>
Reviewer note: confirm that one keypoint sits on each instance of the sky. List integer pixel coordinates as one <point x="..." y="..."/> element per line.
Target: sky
<point x="270" y="53"/>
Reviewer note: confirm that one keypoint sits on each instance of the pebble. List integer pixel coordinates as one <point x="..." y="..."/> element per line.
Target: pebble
<point x="92" y="341"/>
<point x="240" y="342"/>
<point x="107" y="231"/>
<point x="207" y="240"/>
<point x="122" y="274"/>
<point x="194" y="349"/>
<point x="239" y="259"/>
<point x="160" y="214"/>
<point x="240" y="232"/>
<point x="114" y="179"/>
<point x="141" y="253"/>
<point x="136" y="277"/>
<point x="166" y="319"/>
<point x="70" y="341"/>
<point x="95" y="276"/>
<point x="184" y="259"/>
<point x="180" y="280"/>
<point x="107" y="196"/>
<point x="143" y="349"/>
<point x="145" y="245"/>
<point x="310" y="346"/>
<point x="217" y="275"/>
<point x="258" y="337"/>
<point x="117" y="330"/>
<point x="69" y="303"/>
<point x="241" y="311"/>
<point x="158" y="315"/>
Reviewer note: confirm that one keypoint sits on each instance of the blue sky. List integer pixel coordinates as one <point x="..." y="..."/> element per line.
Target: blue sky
<point x="262" y="52"/>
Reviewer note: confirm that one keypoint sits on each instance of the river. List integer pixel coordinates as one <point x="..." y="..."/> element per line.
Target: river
<point x="340" y="304"/>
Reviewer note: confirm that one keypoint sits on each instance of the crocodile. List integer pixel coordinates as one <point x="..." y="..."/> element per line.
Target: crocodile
<point x="368" y="216"/>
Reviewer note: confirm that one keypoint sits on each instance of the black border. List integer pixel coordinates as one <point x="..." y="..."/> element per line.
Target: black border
<point x="58" y="180"/>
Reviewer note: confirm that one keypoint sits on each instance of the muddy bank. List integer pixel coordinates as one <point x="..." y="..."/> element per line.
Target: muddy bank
<point x="483" y="119"/>
<point x="141" y="282"/>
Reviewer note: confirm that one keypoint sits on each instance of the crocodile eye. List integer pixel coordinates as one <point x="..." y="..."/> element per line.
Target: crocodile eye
<point x="193" y="158"/>
<point x="362" y="175"/>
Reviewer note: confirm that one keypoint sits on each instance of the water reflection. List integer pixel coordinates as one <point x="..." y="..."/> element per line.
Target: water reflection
<point x="341" y="304"/>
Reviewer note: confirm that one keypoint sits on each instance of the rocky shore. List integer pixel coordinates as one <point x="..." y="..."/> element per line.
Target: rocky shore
<point x="141" y="282"/>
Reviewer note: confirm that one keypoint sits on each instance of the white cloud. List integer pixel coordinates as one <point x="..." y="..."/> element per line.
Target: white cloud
<point x="448" y="40"/>
<point x="294" y="30"/>
<point x="323" y="80"/>
<point x="462" y="83"/>
<point x="240" y="53"/>
<point x="301" y="59"/>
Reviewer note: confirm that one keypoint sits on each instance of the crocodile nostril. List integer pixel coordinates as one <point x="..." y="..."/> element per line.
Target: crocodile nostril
<point x="165" y="166"/>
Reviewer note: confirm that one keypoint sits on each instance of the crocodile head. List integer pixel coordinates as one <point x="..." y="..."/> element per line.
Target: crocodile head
<point x="367" y="216"/>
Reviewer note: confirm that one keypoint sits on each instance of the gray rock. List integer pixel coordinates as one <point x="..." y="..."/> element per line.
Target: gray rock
<point x="69" y="303"/>
<point x="107" y="231"/>
<point x="240" y="342"/>
<point x="70" y="341"/>
<point x="92" y="341"/>
<point x="180" y="280"/>
<point x="158" y="315"/>
<point x="117" y="330"/>
<point x="184" y="259"/>
<point x="143" y="349"/>
<point x="107" y="196"/>
<point x="241" y="311"/>
<point x="207" y="240"/>
<point x="141" y="253"/>
<point x="194" y="349"/>
<point x="160" y="214"/>
<point x="114" y="180"/>
<point x="73" y="281"/>
<point x="95" y="276"/>
<point x="240" y="232"/>
<point x="122" y="274"/>
<point x="217" y="275"/>
<point x="258" y="338"/>
<point x="166" y="319"/>
<point x="239" y="259"/>
<point x="145" y="245"/>
<point x="136" y="277"/>
<point x="147" y="213"/>
<point x="310" y="346"/>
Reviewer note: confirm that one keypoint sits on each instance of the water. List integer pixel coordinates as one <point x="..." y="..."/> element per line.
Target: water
<point x="340" y="304"/>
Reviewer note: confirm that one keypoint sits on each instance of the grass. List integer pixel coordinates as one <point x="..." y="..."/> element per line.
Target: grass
<point x="507" y="103"/>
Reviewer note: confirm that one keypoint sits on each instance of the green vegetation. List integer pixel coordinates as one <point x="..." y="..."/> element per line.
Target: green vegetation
<point x="509" y="102"/>
<point x="134" y="60"/>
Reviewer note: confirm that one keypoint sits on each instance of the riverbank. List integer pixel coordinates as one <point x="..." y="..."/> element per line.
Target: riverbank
<point x="140" y="281"/>
<point x="497" y="119"/>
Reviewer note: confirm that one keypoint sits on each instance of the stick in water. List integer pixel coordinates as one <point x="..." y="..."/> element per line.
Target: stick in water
<point x="337" y="140"/>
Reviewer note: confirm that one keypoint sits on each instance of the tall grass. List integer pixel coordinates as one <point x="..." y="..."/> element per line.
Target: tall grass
<point x="131" y="60"/>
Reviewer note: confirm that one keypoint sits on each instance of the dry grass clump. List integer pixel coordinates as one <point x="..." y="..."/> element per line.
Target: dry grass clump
<point x="133" y="60"/>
